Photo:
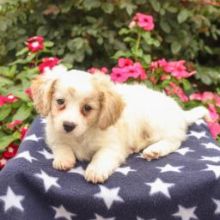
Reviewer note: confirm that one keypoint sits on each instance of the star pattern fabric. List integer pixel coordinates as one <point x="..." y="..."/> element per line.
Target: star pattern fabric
<point x="186" y="213"/>
<point x="61" y="212"/>
<point x="26" y="155"/>
<point x="48" y="181"/>
<point x="184" y="185"/>
<point x="11" y="200"/>
<point x="109" y="196"/>
<point x="158" y="186"/>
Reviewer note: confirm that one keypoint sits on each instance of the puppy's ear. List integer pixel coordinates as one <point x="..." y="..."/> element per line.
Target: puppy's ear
<point x="110" y="101"/>
<point x="42" y="89"/>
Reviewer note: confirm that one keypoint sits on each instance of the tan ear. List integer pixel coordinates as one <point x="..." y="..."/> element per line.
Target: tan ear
<point x="111" y="109"/>
<point x="111" y="102"/>
<point x="42" y="90"/>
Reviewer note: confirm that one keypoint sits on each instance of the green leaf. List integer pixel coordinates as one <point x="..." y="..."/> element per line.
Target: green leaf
<point x="121" y="53"/>
<point x="107" y="7"/>
<point x="147" y="59"/>
<point x="5" y="81"/>
<point x="175" y="47"/>
<point x="7" y="139"/>
<point x="124" y="31"/>
<point x="22" y="113"/>
<point x="88" y="4"/>
<point x="20" y="94"/>
<point x="165" y="26"/>
<point x="182" y="16"/>
<point x="21" y="52"/>
<point x="155" y="4"/>
<point x="186" y="85"/>
<point x="5" y="110"/>
<point x="48" y="44"/>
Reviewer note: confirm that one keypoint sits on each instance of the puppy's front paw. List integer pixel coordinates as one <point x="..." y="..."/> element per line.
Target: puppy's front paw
<point x="151" y="153"/>
<point x="63" y="163"/>
<point x="96" y="174"/>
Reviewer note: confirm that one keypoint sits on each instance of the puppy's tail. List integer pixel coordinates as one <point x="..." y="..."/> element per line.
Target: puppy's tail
<point x="197" y="113"/>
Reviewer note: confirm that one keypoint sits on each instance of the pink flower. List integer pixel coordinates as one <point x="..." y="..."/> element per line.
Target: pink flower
<point x="13" y="124"/>
<point x="7" y="99"/>
<point x="119" y="75"/>
<point x="48" y="63"/>
<point x="11" y="151"/>
<point x="2" y="100"/>
<point x="214" y="129"/>
<point x="123" y="62"/>
<point x="213" y="112"/>
<point x="158" y="64"/>
<point x="196" y="96"/>
<point x="28" y="92"/>
<point x="93" y="70"/>
<point x="217" y="100"/>
<point x="23" y="132"/>
<point x="10" y="99"/>
<point x="35" y="44"/>
<point x="208" y="96"/>
<point x="177" y="69"/>
<point x="176" y="90"/>
<point x="144" y="21"/>
<point x="127" y="69"/>
<point x="3" y="161"/>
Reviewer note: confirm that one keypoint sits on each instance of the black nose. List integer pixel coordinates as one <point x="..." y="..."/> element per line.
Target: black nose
<point x="68" y="126"/>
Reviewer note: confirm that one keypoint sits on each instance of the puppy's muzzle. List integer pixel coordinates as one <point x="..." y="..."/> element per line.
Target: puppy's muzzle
<point x="69" y="126"/>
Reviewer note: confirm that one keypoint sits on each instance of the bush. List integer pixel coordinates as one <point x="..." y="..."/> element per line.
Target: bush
<point x="156" y="51"/>
<point x="87" y="33"/>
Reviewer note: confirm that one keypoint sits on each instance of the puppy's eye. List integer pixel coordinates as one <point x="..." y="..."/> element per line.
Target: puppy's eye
<point x="87" y="108"/>
<point x="60" y="101"/>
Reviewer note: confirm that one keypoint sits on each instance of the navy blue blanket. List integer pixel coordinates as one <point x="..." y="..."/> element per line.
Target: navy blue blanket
<point x="184" y="185"/>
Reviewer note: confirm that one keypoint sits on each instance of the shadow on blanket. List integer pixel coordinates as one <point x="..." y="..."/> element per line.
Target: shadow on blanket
<point x="184" y="185"/>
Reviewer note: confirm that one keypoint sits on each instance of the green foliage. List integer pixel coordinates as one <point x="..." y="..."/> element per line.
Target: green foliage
<point x="86" y="33"/>
<point x="15" y="80"/>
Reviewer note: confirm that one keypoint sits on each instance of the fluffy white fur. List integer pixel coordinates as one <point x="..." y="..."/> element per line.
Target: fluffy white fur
<point x="123" y="119"/>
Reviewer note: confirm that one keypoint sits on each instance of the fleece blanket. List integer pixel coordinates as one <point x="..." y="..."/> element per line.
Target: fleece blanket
<point x="184" y="185"/>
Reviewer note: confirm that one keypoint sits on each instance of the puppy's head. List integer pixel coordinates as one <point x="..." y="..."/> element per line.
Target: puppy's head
<point x="77" y="101"/>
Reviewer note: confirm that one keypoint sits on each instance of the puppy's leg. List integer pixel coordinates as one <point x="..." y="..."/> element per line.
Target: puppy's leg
<point x="161" y="149"/>
<point x="64" y="158"/>
<point x="104" y="162"/>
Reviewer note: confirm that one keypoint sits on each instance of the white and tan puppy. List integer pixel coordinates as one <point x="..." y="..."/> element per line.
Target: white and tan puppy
<point x="88" y="117"/>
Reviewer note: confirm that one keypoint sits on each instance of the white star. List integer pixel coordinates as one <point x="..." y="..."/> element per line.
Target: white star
<point x="200" y="122"/>
<point x="46" y="154"/>
<point x="217" y="203"/>
<point x="215" y="169"/>
<point x="26" y="155"/>
<point x="43" y="120"/>
<point x="170" y="168"/>
<point x="211" y="159"/>
<point x="140" y="156"/>
<point x="124" y="170"/>
<point x="109" y="195"/>
<point x="186" y="213"/>
<point x="48" y="181"/>
<point x="159" y="186"/>
<point x="61" y="212"/>
<point x="139" y="218"/>
<point x="32" y="137"/>
<point x="99" y="217"/>
<point x="78" y="170"/>
<point x="184" y="150"/>
<point x="211" y="146"/>
<point x="196" y="134"/>
<point x="12" y="200"/>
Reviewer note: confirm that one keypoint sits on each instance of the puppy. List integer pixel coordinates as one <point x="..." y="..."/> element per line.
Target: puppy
<point x="88" y="117"/>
